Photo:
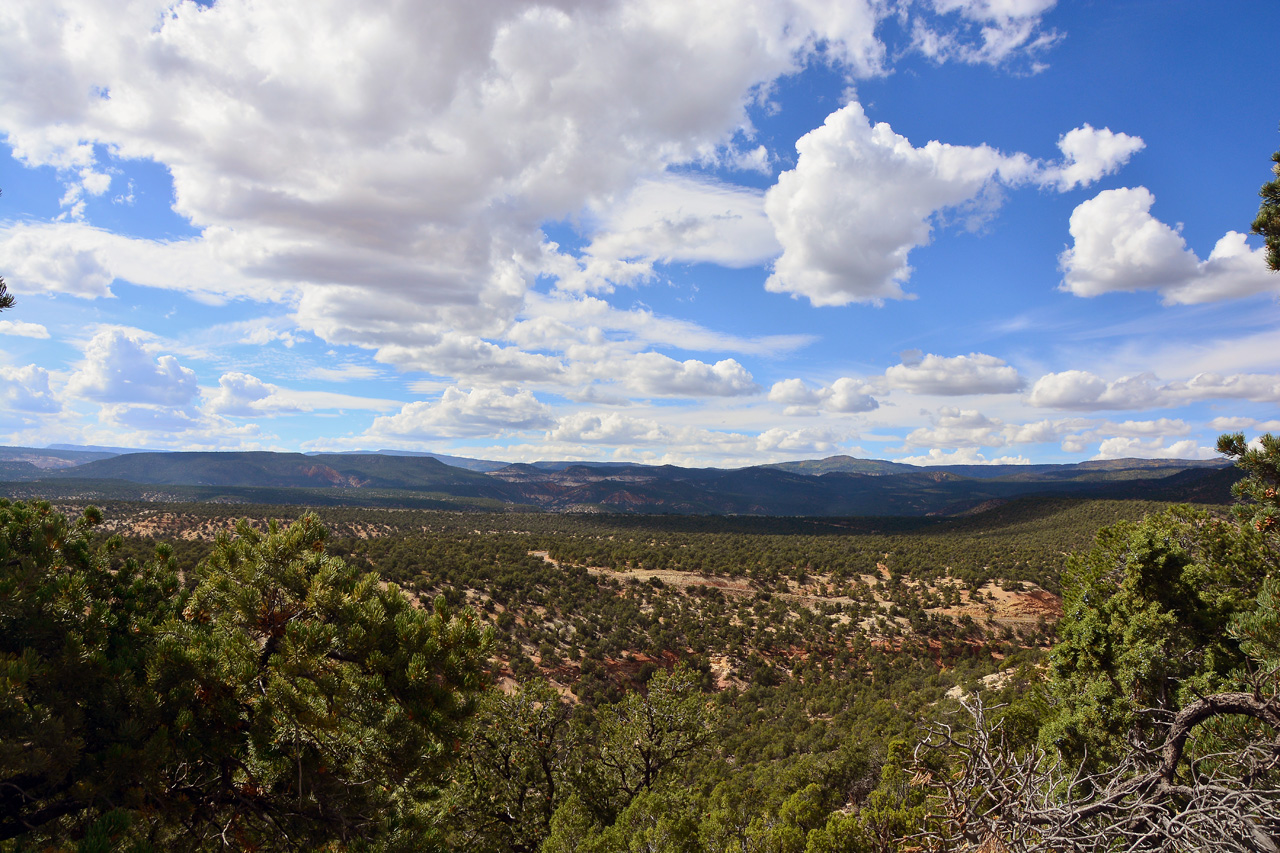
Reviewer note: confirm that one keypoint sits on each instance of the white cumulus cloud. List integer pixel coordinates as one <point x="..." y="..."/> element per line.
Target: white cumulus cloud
<point x="558" y="321"/>
<point x="1088" y="154"/>
<point x="26" y="389"/>
<point x="1043" y="431"/>
<point x="83" y="261"/>
<point x="625" y="433"/>
<point x="472" y="357"/>
<point x="609" y="428"/>
<point x="953" y="427"/>
<point x="22" y="329"/>
<point x="1159" y="426"/>
<point x="244" y="395"/>
<point x="1080" y="389"/>
<point x="654" y="374"/>
<point x="458" y="413"/>
<point x="798" y="441"/>
<point x="393" y="158"/>
<point x="1119" y="246"/>
<point x="961" y="456"/>
<point x="975" y="373"/>
<point x="1124" y="447"/>
<point x="861" y="197"/>
<point x="1259" y="387"/>
<point x="992" y="32"/>
<point x="1239" y="424"/>
<point x="794" y="392"/>
<point x="119" y="368"/>
<point x="846" y="395"/>
<point x="675" y="218"/>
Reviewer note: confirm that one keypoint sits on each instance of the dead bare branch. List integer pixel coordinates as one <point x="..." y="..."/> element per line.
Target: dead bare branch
<point x="998" y="797"/>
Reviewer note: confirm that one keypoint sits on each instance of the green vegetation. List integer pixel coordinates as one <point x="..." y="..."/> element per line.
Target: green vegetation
<point x="274" y="693"/>
<point x="1143" y="627"/>
<point x="177" y="680"/>
<point x="1268" y="222"/>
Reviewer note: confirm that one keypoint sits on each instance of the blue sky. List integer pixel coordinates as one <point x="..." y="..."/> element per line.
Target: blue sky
<point x="722" y="233"/>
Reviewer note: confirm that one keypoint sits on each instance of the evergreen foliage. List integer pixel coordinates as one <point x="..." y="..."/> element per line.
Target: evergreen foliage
<point x="83" y="733"/>
<point x="279" y="697"/>
<point x="1143" y="627"/>
<point x="1257" y="494"/>
<point x="514" y="772"/>
<point x="1268" y="222"/>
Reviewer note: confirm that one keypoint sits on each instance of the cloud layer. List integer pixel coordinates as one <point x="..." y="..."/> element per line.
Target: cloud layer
<point x="575" y="228"/>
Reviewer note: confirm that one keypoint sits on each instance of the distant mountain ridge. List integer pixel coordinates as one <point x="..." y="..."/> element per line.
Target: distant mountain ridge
<point x="836" y="486"/>
<point x="853" y="465"/>
<point x="288" y="470"/>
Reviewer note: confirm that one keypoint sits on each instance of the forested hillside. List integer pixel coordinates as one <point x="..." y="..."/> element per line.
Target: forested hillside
<point x="838" y="486"/>
<point x="178" y="679"/>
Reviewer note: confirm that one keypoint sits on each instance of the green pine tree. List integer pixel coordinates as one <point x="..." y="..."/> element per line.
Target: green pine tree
<point x="1268" y="222"/>
<point x="280" y="698"/>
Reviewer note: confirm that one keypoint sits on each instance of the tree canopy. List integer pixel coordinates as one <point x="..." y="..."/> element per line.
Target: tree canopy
<point x="1143" y="627"/>
<point x="273" y="694"/>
